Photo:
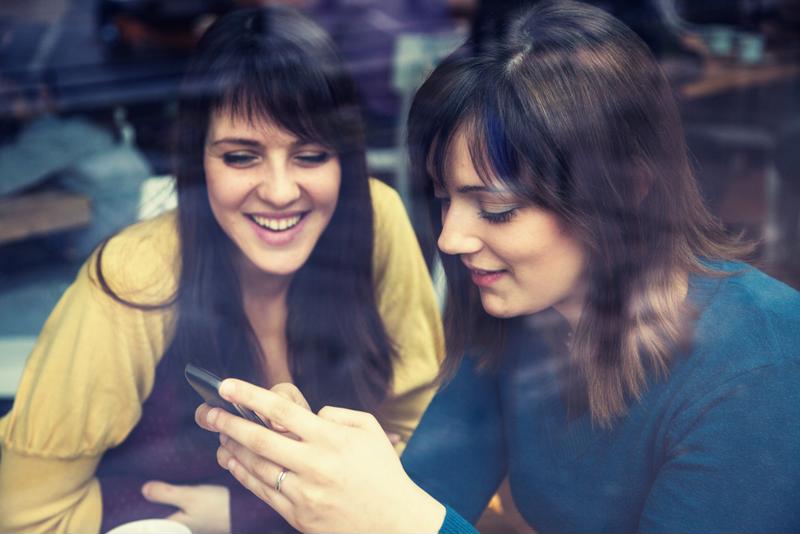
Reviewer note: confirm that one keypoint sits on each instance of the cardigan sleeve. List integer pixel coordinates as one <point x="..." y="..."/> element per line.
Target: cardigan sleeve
<point x="84" y="383"/>
<point x="732" y="461"/>
<point x="410" y="313"/>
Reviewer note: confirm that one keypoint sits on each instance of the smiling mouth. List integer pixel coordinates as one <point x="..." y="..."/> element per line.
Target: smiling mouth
<point x="277" y="224"/>
<point x="480" y="272"/>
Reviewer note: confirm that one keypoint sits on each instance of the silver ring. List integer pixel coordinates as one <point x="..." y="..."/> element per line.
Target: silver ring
<point x="279" y="480"/>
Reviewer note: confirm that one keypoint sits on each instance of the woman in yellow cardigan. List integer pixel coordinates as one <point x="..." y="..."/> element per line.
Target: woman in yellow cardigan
<point x="282" y="263"/>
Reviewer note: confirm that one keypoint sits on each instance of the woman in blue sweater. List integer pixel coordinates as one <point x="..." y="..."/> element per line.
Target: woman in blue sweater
<point x="605" y="348"/>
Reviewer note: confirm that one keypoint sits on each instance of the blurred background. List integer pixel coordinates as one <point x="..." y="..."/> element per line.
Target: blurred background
<point x="87" y="104"/>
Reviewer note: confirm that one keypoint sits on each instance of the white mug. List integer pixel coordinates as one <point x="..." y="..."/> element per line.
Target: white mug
<point x="151" y="526"/>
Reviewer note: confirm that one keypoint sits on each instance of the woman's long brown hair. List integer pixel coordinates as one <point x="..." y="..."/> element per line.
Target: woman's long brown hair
<point x="571" y="111"/>
<point x="276" y="64"/>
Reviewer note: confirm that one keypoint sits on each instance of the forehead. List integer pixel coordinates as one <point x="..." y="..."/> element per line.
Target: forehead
<point x="459" y="170"/>
<point x="224" y="123"/>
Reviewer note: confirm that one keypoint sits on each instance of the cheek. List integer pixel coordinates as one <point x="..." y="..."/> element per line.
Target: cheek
<point x="325" y="190"/>
<point x="224" y="191"/>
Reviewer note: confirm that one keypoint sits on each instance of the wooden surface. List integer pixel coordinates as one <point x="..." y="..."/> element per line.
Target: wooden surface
<point x="720" y="77"/>
<point x="36" y="214"/>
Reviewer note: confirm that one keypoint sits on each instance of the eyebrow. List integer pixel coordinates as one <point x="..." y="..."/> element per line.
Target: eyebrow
<point x="476" y="189"/>
<point x="466" y="189"/>
<point x="236" y="141"/>
<point x="256" y="144"/>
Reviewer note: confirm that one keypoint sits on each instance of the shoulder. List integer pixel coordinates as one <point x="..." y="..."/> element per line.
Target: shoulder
<point x="749" y="311"/>
<point x="393" y="235"/>
<point x="386" y="203"/>
<point x="747" y="321"/>
<point x="142" y="262"/>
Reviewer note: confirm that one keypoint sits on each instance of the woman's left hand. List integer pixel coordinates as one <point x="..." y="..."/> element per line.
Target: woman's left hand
<point x="342" y="474"/>
<point x="204" y="508"/>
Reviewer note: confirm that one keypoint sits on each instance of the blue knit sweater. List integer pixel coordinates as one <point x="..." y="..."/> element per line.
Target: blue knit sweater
<point x="713" y="447"/>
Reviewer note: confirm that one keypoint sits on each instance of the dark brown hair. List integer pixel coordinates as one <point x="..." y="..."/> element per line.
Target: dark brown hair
<point x="276" y="64"/>
<point x="571" y="112"/>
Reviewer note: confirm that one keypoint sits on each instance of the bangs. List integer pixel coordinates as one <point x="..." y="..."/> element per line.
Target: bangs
<point x="497" y="160"/>
<point x="490" y="158"/>
<point x="284" y="90"/>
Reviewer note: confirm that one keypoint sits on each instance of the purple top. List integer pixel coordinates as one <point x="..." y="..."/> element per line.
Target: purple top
<point x="167" y="445"/>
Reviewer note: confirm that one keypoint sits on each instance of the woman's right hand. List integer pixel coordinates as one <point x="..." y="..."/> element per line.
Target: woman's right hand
<point x="341" y="475"/>
<point x="288" y="391"/>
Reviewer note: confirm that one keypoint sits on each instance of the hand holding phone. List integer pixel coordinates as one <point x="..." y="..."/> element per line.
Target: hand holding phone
<point x="206" y="384"/>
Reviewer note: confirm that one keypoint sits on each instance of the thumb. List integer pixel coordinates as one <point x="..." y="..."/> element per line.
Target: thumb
<point x="161" y="492"/>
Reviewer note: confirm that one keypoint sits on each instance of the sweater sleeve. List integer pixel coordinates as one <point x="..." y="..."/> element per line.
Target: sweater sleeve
<point x="82" y="389"/>
<point x="455" y="524"/>
<point x="410" y="313"/>
<point x="732" y="461"/>
<point x="458" y="452"/>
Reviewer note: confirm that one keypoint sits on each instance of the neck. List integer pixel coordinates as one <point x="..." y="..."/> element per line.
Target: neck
<point x="258" y="285"/>
<point x="572" y="306"/>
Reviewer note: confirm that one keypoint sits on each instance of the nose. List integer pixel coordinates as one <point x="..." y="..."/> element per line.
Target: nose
<point x="457" y="236"/>
<point x="278" y="188"/>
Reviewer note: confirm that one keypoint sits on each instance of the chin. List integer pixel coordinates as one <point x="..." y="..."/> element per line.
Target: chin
<point x="275" y="265"/>
<point x="284" y="269"/>
<point x="498" y="308"/>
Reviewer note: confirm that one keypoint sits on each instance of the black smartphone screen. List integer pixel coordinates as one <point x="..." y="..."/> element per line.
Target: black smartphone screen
<point x="206" y="384"/>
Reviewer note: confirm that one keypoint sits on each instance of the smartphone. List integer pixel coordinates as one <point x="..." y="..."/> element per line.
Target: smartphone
<point x="206" y="384"/>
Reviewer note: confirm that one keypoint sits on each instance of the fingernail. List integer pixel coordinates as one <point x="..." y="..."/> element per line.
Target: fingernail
<point x="211" y="417"/>
<point x="226" y="389"/>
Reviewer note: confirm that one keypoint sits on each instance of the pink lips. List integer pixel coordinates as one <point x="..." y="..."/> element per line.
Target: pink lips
<point x="485" y="278"/>
<point x="274" y="238"/>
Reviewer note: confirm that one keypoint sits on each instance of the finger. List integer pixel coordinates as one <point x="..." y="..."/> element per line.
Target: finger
<point x="279" y="502"/>
<point x="223" y="457"/>
<point x="291" y="392"/>
<point x="161" y="492"/>
<point x="272" y="445"/>
<point x="266" y="471"/>
<point x="351" y="418"/>
<point x="201" y="417"/>
<point x="272" y="406"/>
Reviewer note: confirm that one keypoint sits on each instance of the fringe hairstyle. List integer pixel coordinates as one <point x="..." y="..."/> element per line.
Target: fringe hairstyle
<point x="571" y="112"/>
<point x="276" y="64"/>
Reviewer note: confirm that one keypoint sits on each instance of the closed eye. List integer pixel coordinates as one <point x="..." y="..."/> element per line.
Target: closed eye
<point x="313" y="158"/>
<point x="498" y="217"/>
<point x="239" y="159"/>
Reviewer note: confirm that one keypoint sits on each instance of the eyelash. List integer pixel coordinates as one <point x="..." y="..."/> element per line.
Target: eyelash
<point x="241" y="160"/>
<point x="236" y="160"/>
<point x="491" y="217"/>
<point x="314" y="159"/>
<point x="498" y="218"/>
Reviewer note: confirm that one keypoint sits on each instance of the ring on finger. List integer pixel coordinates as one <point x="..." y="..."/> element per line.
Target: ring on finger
<point x="279" y="480"/>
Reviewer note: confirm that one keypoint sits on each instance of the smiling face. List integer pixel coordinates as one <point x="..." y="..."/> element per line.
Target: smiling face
<point x="519" y="255"/>
<point x="271" y="193"/>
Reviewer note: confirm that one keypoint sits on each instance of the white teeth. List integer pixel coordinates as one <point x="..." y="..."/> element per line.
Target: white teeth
<point x="276" y="225"/>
